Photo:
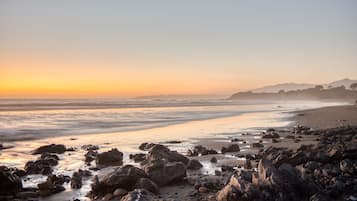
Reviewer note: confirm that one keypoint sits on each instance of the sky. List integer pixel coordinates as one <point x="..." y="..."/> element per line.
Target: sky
<point x="133" y="48"/>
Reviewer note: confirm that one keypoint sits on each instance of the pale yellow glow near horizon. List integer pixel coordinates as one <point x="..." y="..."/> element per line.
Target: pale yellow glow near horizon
<point x="50" y="76"/>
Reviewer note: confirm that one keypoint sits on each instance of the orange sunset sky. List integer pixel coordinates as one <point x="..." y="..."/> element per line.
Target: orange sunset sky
<point x="77" y="49"/>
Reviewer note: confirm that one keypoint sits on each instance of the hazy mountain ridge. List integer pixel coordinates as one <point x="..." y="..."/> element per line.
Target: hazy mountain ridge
<point x="339" y="90"/>
<point x="300" y="86"/>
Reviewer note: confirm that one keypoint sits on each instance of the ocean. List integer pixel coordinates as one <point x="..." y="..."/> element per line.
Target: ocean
<point x="42" y="118"/>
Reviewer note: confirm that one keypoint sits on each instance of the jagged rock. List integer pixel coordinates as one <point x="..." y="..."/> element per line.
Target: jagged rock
<point x="147" y="184"/>
<point x="194" y="165"/>
<point x="41" y="166"/>
<point x="201" y="150"/>
<point x="163" y="173"/>
<point x="230" y="148"/>
<point x="137" y="157"/>
<point x="48" y="188"/>
<point x="124" y="177"/>
<point x="58" y="179"/>
<point x="9" y="182"/>
<point x="52" y="148"/>
<point x="159" y="152"/>
<point x="138" y="195"/>
<point x="90" y="156"/>
<point x="110" y="158"/>
<point x="76" y="180"/>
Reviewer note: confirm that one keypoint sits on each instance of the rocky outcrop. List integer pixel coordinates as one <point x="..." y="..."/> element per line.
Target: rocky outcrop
<point x="112" y="157"/>
<point x="52" y="148"/>
<point x="163" y="173"/>
<point x="10" y="183"/>
<point x="125" y="178"/>
<point x="322" y="172"/>
<point x="230" y="148"/>
<point x="200" y="150"/>
<point x="161" y="152"/>
<point x="43" y="165"/>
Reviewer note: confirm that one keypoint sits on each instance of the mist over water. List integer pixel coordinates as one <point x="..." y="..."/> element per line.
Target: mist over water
<point x="29" y="119"/>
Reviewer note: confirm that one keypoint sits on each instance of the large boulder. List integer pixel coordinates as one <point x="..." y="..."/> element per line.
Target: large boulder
<point x="138" y="195"/>
<point x="163" y="173"/>
<point x="125" y="177"/>
<point x="10" y="183"/>
<point x="230" y="148"/>
<point x="110" y="158"/>
<point x="41" y="166"/>
<point x="52" y="148"/>
<point x="159" y="152"/>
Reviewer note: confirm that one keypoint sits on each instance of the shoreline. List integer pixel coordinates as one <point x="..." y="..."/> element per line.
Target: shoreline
<point x="326" y="117"/>
<point x="236" y="160"/>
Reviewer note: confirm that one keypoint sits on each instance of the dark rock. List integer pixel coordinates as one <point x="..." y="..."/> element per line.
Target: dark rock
<point x="124" y="177"/>
<point x="138" y="195"/>
<point x="226" y="168"/>
<point x="147" y="184"/>
<point x="41" y="166"/>
<point x="90" y="156"/>
<point x="271" y="136"/>
<point x="194" y="165"/>
<point x="110" y="158"/>
<point x="48" y="188"/>
<point x="58" y="179"/>
<point x="146" y="146"/>
<point x="163" y="173"/>
<point x="248" y="164"/>
<point x="213" y="160"/>
<point x="9" y="182"/>
<point x="230" y="148"/>
<point x="90" y="147"/>
<point x="52" y="148"/>
<point x="76" y="180"/>
<point x="173" y="142"/>
<point x="137" y="157"/>
<point x="257" y="145"/>
<point x="201" y="150"/>
<point x="159" y="152"/>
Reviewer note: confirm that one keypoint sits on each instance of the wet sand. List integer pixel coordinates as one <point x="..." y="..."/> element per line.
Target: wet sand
<point x="327" y="117"/>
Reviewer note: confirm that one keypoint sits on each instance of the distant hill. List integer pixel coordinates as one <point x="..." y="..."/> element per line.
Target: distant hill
<point x="283" y="86"/>
<point x="345" y="82"/>
<point x="315" y="93"/>
<point x="300" y="86"/>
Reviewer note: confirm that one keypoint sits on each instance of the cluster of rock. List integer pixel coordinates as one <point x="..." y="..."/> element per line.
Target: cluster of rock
<point x="201" y="150"/>
<point x="326" y="171"/>
<point x="159" y="167"/>
<point x="11" y="187"/>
